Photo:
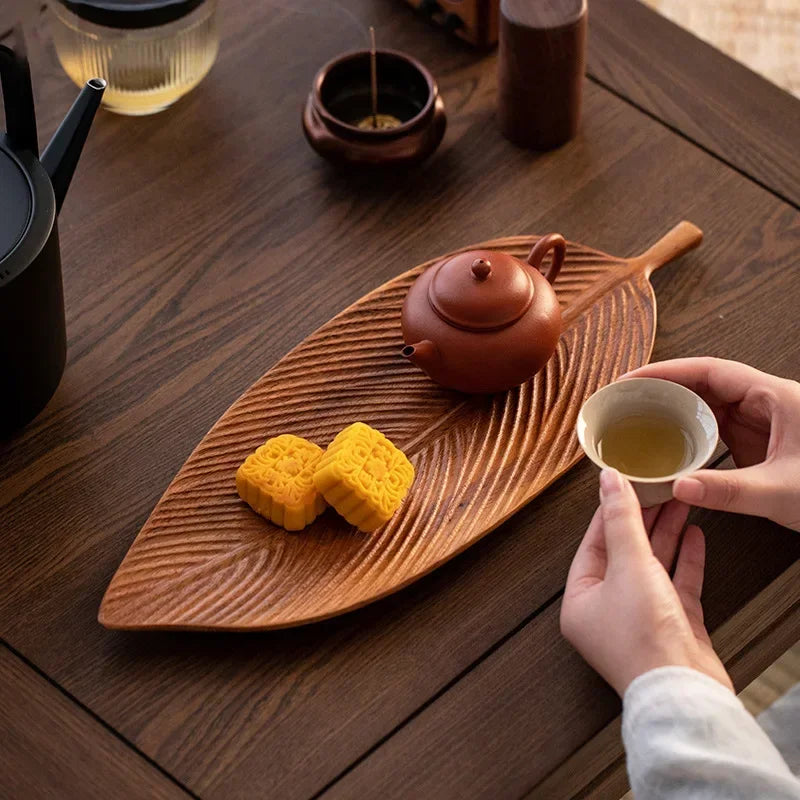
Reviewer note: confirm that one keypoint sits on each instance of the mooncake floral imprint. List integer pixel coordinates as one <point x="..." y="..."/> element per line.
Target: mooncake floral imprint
<point x="364" y="476"/>
<point x="277" y="482"/>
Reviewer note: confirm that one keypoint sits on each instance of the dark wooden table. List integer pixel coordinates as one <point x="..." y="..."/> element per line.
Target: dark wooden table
<point x="201" y="244"/>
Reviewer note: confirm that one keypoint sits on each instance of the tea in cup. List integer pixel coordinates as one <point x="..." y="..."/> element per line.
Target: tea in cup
<point x="651" y="430"/>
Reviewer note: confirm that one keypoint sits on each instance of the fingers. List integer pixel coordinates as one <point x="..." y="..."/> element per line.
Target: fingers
<point x="712" y="378"/>
<point x="589" y="564"/>
<point x="689" y="570"/>
<point x="625" y="535"/>
<point x="667" y="532"/>
<point x="649" y="516"/>
<point x="742" y="491"/>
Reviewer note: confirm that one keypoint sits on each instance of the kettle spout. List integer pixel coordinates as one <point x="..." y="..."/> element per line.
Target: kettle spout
<point x="424" y="354"/>
<point x="61" y="156"/>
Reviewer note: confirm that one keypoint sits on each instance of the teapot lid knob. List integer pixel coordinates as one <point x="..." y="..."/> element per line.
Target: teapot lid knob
<point x="481" y="268"/>
<point x="481" y="290"/>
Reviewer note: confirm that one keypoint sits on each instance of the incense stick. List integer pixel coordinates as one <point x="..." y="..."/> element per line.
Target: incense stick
<point x="373" y="68"/>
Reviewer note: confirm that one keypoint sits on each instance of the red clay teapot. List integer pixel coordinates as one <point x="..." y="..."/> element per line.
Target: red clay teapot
<point x="484" y="321"/>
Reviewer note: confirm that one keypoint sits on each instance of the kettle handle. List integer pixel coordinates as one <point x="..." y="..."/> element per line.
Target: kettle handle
<point x="555" y="242"/>
<point x="15" y="78"/>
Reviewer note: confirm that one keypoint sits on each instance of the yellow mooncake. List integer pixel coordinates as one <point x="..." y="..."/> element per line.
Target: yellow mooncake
<point x="277" y="482"/>
<point x="364" y="476"/>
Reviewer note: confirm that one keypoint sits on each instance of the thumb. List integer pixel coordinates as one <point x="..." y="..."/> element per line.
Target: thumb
<point x="742" y="491"/>
<point x="626" y="538"/>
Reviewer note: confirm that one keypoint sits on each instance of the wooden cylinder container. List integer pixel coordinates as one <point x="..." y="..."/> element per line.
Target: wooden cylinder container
<point x="541" y="63"/>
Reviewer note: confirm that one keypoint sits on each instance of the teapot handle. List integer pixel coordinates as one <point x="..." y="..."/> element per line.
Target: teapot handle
<point x="555" y="242"/>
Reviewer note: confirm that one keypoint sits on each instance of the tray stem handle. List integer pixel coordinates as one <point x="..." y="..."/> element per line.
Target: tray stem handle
<point x="680" y="240"/>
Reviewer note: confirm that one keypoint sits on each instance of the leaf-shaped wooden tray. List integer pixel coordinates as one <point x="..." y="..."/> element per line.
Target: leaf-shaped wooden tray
<point x="204" y="560"/>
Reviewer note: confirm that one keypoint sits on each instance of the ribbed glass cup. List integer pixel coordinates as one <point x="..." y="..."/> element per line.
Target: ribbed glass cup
<point x="147" y="69"/>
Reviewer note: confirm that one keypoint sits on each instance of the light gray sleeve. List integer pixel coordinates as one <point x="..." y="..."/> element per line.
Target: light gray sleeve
<point x="781" y="722"/>
<point x="687" y="736"/>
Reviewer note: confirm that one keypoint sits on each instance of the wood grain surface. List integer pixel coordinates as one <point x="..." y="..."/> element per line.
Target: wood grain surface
<point x="764" y="35"/>
<point x="51" y="748"/>
<point x="204" y="560"/>
<point x="201" y="245"/>
<point x="715" y="101"/>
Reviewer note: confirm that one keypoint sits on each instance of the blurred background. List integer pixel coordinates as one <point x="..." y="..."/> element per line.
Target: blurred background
<point x="764" y="34"/>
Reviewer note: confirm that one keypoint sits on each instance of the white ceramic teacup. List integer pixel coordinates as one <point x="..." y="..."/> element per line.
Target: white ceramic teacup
<point x="635" y="396"/>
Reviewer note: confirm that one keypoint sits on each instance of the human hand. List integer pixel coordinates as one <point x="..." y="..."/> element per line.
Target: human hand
<point x="620" y="610"/>
<point x="759" y="420"/>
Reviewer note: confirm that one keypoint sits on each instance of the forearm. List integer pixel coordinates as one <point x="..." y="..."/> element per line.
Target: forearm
<point x="688" y="737"/>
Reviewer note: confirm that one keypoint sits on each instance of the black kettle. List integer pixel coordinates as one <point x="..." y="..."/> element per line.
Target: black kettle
<point x="33" y="344"/>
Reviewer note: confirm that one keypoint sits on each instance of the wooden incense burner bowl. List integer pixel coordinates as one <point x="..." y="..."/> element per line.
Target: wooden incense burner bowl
<point x="484" y="321"/>
<point x="408" y="104"/>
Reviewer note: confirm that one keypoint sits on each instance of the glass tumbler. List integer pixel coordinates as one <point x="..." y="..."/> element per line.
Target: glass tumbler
<point x="150" y="54"/>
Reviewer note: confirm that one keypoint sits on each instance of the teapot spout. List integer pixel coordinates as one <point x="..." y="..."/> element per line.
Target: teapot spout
<point x="424" y="354"/>
<point x="61" y="156"/>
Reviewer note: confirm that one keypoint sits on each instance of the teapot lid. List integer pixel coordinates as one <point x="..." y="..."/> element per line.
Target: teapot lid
<point x="481" y="290"/>
<point x="16" y="201"/>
